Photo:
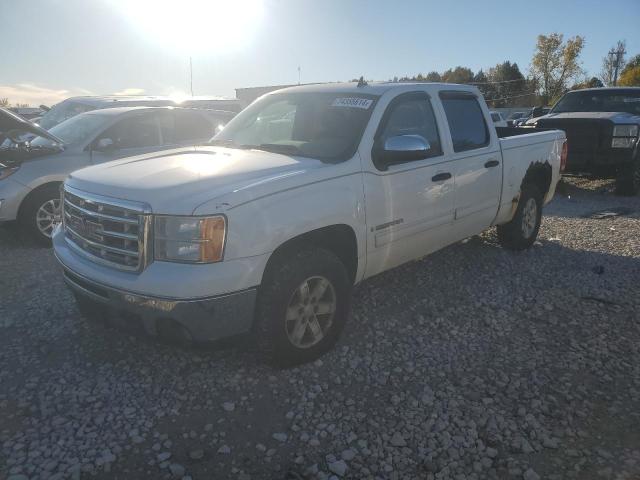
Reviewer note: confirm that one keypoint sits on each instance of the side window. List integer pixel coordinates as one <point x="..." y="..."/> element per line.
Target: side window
<point x="134" y="132"/>
<point x="466" y="122"/>
<point x="167" y="127"/>
<point x="191" y="126"/>
<point x="412" y="114"/>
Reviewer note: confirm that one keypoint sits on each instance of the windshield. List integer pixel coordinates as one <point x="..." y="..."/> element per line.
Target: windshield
<point x="326" y="126"/>
<point x="62" y="111"/>
<point x="595" y="101"/>
<point x="75" y="130"/>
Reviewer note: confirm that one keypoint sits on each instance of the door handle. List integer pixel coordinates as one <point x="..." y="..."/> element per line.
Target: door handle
<point x="491" y="163"/>
<point x="441" y="176"/>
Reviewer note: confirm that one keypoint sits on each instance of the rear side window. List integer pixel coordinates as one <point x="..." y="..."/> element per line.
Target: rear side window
<point x="191" y="126"/>
<point x="411" y="114"/>
<point x="466" y="122"/>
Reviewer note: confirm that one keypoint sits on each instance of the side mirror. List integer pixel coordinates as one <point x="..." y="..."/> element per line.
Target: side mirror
<point x="401" y="149"/>
<point x="105" y="145"/>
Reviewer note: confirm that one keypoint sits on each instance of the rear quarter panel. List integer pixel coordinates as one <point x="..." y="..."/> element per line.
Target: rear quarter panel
<point x="521" y="152"/>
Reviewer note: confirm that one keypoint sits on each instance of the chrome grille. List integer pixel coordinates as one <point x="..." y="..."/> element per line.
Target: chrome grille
<point x="105" y="230"/>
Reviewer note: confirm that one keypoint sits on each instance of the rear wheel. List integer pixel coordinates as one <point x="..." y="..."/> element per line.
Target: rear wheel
<point x="41" y="213"/>
<point x="303" y="306"/>
<point x="522" y="230"/>
<point x="628" y="179"/>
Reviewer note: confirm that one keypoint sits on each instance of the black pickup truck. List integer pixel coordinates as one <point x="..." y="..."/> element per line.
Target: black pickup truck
<point x="602" y="126"/>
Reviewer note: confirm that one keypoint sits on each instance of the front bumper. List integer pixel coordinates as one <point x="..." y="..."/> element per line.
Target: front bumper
<point x="198" y="320"/>
<point x="208" y="302"/>
<point x="599" y="159"/>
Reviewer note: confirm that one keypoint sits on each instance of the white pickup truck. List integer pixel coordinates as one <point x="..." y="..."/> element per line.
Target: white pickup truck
<point x="307" y="192"/>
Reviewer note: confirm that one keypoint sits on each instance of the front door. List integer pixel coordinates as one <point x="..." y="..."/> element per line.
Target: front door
<point x="409" y="206"/>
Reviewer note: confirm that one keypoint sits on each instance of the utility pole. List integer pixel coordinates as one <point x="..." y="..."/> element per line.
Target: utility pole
<point x="191" y="75"/>
<point x="619" y="55"/>
<point x="298" y="74"/>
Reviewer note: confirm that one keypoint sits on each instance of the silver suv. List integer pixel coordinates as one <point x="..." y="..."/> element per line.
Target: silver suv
<point x="31" y="172"/>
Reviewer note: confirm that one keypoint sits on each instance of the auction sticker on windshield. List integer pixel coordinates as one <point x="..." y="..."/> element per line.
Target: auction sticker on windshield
<point x="353" y="102"/>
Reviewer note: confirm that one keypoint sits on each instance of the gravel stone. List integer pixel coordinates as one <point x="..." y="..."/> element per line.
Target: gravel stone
<point x="281" y="437"/>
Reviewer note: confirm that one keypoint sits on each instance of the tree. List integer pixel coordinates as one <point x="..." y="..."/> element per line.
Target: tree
<point x="4" y="102"/>
<point x="458" y="75"/>
<point x="433" y="77"/>
<point x="630" y="76"/>
<point x="593" y="82"/>
<point x="555" y="63"/>
<point x="607" y="74"/>
<point x="508" y="86"/>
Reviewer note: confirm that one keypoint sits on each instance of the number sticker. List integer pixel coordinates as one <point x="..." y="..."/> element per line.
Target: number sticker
<point x="353" y="102"/>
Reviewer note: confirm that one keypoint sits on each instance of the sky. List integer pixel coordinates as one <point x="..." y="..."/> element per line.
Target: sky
<point x="53" y="49"/>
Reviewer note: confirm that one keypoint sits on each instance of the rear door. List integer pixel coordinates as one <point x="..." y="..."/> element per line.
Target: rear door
<point x="477" y="159"/>
<point x="409" y="206"/>
<point x="132" y="135"/>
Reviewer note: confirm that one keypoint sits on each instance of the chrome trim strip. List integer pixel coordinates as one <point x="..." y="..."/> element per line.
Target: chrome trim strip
<point x="130" y="221"/>
<point x="138" y="207"/>
<point x="83" y="253"/>
<point x="101" y="246"/>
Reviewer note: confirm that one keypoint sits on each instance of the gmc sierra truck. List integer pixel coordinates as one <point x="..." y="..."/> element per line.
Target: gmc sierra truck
<point x="305" y="193"/>
<point x="601" y="125"/>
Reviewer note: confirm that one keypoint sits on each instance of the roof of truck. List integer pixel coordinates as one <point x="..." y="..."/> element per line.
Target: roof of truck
<point x="373" y="88"/>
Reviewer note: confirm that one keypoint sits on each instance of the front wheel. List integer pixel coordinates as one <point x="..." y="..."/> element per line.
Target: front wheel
<point x="522" y="230"/>
<point x="303" y="306"/>
<point x="628" y="179"/>
<point x="41" y="213"/>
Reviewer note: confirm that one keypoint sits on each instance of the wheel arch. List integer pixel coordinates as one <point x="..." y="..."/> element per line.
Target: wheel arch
<point x="34" y="192"/>
<point x="539" y="174"/>
<point x="340" y="239"/>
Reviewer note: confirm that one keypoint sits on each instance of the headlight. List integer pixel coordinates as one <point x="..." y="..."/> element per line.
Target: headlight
<point x="189" y="239"/>
<point x="625" y="131"/>
<point x="7" y="171"/>
<point x="622" y="142"/>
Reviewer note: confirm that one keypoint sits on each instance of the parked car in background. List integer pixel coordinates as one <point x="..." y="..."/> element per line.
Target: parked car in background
<point x="31" y="172"/>
<point x="602" y="127"/>
<point x="515" y="117"/>
<point x="76" y="105"/>
<point x="498" y="119"/>
<point x="305" y="193"/>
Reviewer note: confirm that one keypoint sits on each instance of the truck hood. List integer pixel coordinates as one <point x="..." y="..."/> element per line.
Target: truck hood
<point x="13" y="126"/>
<point x="615" y="117"/>
<point x="178" y="181"/>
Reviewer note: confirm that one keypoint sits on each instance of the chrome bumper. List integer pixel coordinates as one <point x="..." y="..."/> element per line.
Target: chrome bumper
<point x="198" y="320"/>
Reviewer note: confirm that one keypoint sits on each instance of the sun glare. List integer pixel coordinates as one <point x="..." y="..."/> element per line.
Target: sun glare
<point x="195" y="26"/>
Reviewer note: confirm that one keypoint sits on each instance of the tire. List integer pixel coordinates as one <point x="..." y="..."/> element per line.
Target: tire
<point x="628" y="178"/>
<point x="522" y="230"/>
<point x="35" y="213"/>
<point x="287" y="320"/>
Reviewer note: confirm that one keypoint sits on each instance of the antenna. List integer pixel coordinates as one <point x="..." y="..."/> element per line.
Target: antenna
<point x="298" y="74"/>
<point x="191" y="75"/>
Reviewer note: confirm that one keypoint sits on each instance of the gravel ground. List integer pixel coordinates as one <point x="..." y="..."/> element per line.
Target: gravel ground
<point x="473" y="363"/>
